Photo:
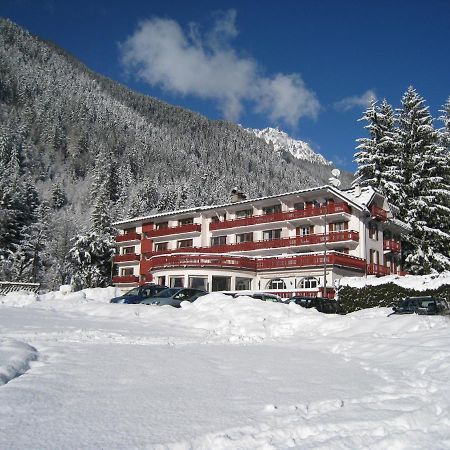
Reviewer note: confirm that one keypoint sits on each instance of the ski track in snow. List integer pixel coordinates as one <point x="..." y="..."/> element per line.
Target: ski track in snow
<point x="221" y="376"/>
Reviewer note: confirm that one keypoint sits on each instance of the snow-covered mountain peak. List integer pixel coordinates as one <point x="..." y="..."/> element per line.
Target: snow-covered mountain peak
<point x="282" y="141"/>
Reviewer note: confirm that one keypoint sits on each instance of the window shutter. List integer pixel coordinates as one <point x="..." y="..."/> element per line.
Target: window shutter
<point x="331" y="227"/>
<point x="346" y="225"/>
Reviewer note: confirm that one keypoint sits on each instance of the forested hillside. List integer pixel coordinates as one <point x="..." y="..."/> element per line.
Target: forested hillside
<point x="66" y="131"/>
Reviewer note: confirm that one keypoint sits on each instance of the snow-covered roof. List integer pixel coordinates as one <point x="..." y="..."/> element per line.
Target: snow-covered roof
<point x="341" y="194"/>
<point x="357" y="197"/>
<point x="361" y="195"/>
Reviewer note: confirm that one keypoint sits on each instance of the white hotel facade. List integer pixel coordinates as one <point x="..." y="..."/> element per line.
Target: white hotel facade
<point x="299" y="242"/>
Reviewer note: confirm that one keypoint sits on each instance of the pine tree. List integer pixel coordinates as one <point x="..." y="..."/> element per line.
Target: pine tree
<point x="29" y="256"/>
<point x="377" y="159"/>
<point x="422" y="158"/>
<point x="92" y="251"/>
<point x="58" y="196"/>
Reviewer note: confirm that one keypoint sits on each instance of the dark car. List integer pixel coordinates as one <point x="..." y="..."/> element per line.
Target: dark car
<point x="262" y="296"/>
<point x="423" y="306"/>
<point x="323" y="305"/>
<point x="137" y="294"/>
<point x="174" y="297"/>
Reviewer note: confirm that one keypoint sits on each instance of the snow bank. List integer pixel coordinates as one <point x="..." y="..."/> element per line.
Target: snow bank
<point x="15" y="358"/>
<point x="19" y="299"/>
<point x="416" y="282"/>
<point x="219" y="318"/>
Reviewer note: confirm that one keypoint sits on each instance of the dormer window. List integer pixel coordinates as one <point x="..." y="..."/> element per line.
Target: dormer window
<point x="186" y="221"/>
<point x="273" y="209"/>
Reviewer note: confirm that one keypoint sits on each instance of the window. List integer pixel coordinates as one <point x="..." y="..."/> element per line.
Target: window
<point x="215" y="219"/>
<point x="218" y="240"/>
<point x="299" y="206"/>
<point x="244" y="213"/>
<point x="244" y="237"/>
<point x="373" y="231"/>
<point x="185" y="243"/>
<point x="161" y="246"/>
<point x="129" y="230"/>
<point x="125" y="272"/>
<point x="198" y="283"/>
<point x="308" y="283"/>
<point x="272" y="209"/>
<point x="338" y="226"/>
<point x="162" y="280"/>
<point x="374" y="256"/>
<point x="269" y="235"/>
<point x="221" y="283"/>
<point x="186" y="221"/>
<point x="276" y="283"/>
<point x="127" y="250"/>
<point x="243" y="284"/>
<point x="176" y="281"/>
<point x="305" y="230"/>
<point x="161" y="225"/>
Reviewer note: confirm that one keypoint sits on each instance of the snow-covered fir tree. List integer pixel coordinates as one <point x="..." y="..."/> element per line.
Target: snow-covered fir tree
<point x="377" y="159"/>
<point x="91" y="254"/>
<point x="422" y="160"/>
<point x="407" y="160"/>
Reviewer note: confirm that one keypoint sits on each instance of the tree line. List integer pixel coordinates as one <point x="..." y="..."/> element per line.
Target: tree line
<point x="407" y="158"/>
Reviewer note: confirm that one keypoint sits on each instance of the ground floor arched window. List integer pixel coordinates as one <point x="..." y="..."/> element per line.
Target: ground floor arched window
<point x="308" y="283"/>
<point x="276" y="283"/>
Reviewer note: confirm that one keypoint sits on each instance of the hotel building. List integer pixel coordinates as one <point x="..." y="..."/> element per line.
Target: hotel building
<point x="299" y="242"/>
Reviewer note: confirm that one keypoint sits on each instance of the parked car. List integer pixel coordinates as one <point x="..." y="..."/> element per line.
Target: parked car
<point x="174" y="297"/>
<point x="323" y="305"/>
<point x="262" y="296"/>
<point x="137" y="294"/>
<point x="423" y="306"/>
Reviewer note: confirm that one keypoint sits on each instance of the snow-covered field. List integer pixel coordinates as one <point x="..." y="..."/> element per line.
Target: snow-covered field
<point x="79" y="373"/>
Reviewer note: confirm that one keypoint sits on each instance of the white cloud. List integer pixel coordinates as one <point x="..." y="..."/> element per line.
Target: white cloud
<point x="356" y="101"/>
<point x="206" y="65"/>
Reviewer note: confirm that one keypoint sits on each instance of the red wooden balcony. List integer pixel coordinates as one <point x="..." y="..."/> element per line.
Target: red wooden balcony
<point x="378" y="213"/>
<point x="125" y="279"/>
<point x="332" y="208"/>
<point x="188" y="228"/>
<point x="378" y="270"/>
<point x="311" y="239"/>
<point x="132" y="236"/>
<point x="129" y="257"/>
<point x="391" y="245"/>
<point x="146" y="246"/>
<point x="296" y="241"/>
<point x="239" y="262"/>
<point x="236" y="262"/>
<point x="330" y="259"/>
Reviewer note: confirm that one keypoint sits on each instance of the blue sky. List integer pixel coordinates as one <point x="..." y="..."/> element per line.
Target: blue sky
<point x="305" y="66"/>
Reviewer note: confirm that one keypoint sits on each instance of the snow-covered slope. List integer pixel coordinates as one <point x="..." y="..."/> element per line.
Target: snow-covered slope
<point x="282" y="141"/>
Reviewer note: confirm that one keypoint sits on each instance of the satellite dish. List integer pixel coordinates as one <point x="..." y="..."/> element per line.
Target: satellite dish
<point x="335" y="182"/>
<point x="336" y="173"/>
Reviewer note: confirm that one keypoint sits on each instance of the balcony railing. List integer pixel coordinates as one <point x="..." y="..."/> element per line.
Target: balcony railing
<point x="239" y="262"/>
<point x="378" y="270"/>
<point x="125" y="279"/>
<point x="133" y="236"/>
<point x="311" y="239"/>
<point x="127" y="257"/>
<point x="188" y="228"/>
<point x="378" y="213"/>
<point x="330" y="259"/>
<point x="391" y="245"/>
<point x="236" y="262"/>
<point x="332" y="208"/>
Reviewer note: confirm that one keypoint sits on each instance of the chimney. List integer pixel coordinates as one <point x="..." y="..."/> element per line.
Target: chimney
<point x="237" y="195"/>
<point x="357" y="190"/>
